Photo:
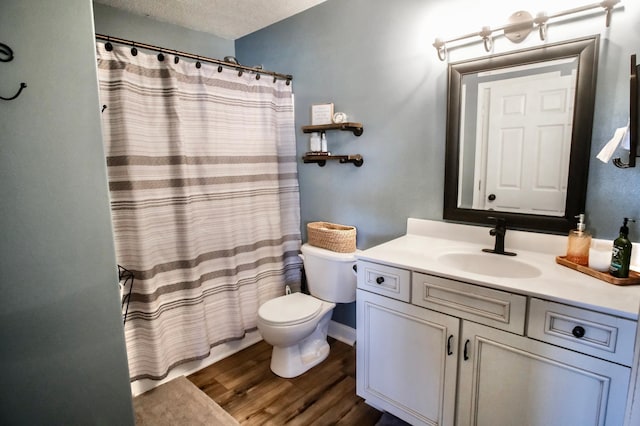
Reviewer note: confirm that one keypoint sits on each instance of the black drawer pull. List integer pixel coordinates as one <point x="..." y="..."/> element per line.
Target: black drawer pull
<point x="449" y="351"/>
<point x="578" y="331"/>
<point x="466" y="348"/>
<point x="380" y="280"/>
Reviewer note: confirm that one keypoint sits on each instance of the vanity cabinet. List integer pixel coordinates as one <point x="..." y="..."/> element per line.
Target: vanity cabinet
<point x="437" y="351"/>
<point x="406" y="359"/>
<point x="507" y="379"/>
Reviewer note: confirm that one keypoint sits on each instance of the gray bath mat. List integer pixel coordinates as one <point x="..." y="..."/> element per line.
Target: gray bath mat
<point x="179" y="402"/>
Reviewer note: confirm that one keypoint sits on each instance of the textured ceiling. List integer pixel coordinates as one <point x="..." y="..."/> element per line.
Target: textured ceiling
<point x="228" y="19"/>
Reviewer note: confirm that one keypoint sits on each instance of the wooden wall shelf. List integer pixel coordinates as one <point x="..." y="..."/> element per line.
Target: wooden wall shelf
<point x="356" y="128"/>
<point x="321" y="159"/>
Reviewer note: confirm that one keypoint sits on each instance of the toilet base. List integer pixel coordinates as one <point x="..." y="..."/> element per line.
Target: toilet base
<point x="292" y="361"/>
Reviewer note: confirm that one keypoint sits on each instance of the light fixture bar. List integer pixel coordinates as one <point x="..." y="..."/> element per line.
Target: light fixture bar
<point x="520" y="25"/>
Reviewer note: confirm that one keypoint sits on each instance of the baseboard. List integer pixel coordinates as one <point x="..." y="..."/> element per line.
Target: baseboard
<point x="342" y="332"/>
<point x="217" y="353"/>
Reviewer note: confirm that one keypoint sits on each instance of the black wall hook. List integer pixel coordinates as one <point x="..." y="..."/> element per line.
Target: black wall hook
<point x="6" y="55"/>
<point x="5" y="51"/>
<point x="22" y="86"/>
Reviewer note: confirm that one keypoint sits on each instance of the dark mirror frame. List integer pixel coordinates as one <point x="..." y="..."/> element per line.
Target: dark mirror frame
<point x="586" y="50"/>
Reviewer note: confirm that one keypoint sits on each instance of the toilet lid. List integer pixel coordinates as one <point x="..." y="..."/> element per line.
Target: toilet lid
<point x="290" y="309"/>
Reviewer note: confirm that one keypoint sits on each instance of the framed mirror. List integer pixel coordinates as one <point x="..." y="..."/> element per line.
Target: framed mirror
<point x="519" y="136"/>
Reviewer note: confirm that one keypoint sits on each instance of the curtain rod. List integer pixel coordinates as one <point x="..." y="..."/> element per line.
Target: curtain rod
<point x="235" y="65"/>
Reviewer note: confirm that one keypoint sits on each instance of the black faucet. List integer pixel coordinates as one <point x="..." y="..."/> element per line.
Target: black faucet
<point x="499" y="232"/>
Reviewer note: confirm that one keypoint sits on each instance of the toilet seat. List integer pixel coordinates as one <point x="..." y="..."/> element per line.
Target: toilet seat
<point x="294" y="308"/>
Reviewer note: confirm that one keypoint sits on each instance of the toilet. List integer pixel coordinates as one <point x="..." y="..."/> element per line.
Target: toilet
<point x="296" y="324"/>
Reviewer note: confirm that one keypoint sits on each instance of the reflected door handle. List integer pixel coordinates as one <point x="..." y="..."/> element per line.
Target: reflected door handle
<point x="491" y="197"/>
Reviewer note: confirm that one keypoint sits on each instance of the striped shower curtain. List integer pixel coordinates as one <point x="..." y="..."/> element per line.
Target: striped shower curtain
<point x="204" y="201"/>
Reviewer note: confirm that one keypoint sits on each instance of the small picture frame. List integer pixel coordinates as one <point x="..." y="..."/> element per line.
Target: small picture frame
<point x="322" y="114"/>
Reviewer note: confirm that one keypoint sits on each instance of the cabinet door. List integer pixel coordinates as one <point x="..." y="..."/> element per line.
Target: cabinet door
<point x="512" y="380"/>
<point x="406" y="359"/>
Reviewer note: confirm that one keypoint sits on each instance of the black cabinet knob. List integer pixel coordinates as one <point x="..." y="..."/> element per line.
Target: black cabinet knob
<point x="578" y="331"/>
<point x="380" y="280"/>
<point x="491" y="197"/>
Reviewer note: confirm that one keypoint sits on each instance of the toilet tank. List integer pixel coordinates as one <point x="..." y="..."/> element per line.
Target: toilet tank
<point x="330" y="275"/>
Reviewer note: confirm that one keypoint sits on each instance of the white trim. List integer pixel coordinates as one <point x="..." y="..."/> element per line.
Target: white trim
<point x="217" y="353"/>
<point x="342" y="332"/>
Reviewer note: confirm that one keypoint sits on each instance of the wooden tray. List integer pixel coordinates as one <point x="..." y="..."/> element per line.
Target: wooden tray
<point x="634" y="277"/>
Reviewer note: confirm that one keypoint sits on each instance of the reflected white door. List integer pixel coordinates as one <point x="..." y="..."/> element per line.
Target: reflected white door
<point x="527" y="143"/>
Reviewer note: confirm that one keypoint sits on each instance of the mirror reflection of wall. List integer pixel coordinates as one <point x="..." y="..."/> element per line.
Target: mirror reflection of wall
<point x="516" y="137"/>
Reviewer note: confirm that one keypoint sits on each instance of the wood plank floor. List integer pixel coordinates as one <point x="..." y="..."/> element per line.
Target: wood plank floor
<point x="245" y="387"/>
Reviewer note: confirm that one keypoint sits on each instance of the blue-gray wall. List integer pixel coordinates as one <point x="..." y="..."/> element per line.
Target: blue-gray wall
<point x="374" y="60"/>
<point x="121" y="24"/>
<point x="62" y="355"/>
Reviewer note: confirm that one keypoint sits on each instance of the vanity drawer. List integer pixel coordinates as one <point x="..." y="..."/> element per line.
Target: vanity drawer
<point x="495" y="308"/>
<point x="385" y="280"/>
<point x="592" y="333"/>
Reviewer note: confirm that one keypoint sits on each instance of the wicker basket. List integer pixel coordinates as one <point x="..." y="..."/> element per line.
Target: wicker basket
<point x="338" y="238"/>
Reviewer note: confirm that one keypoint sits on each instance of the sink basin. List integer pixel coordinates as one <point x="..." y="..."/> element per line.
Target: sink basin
<point x="493" y="265"/>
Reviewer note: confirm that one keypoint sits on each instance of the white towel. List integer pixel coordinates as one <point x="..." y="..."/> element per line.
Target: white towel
<point x="620" y="135"/>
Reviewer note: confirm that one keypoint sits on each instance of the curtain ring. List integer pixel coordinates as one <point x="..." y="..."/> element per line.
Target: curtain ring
<point x="219" y="68"/>
<point x="160" y="57"/>
<point x="134" y="51"/>
<point x="176" y="59"/>
<point x="257" y="76"/>
<point x="198" y="64"/>
<point x="240" y="73"/>
<point x="108" y="46"/>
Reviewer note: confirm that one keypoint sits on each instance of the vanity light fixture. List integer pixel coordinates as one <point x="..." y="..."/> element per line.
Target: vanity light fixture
<point x="520" y="25"/>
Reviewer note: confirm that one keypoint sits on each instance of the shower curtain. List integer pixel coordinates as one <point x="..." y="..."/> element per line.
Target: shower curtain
<point x="204" y="200"/>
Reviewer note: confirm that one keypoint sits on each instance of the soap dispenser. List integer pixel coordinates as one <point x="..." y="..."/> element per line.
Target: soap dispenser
<point x="621" y="253"/>
<point x="579" y="243"/>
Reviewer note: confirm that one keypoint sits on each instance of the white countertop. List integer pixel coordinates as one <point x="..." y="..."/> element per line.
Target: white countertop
<point x="426" y="240"/>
